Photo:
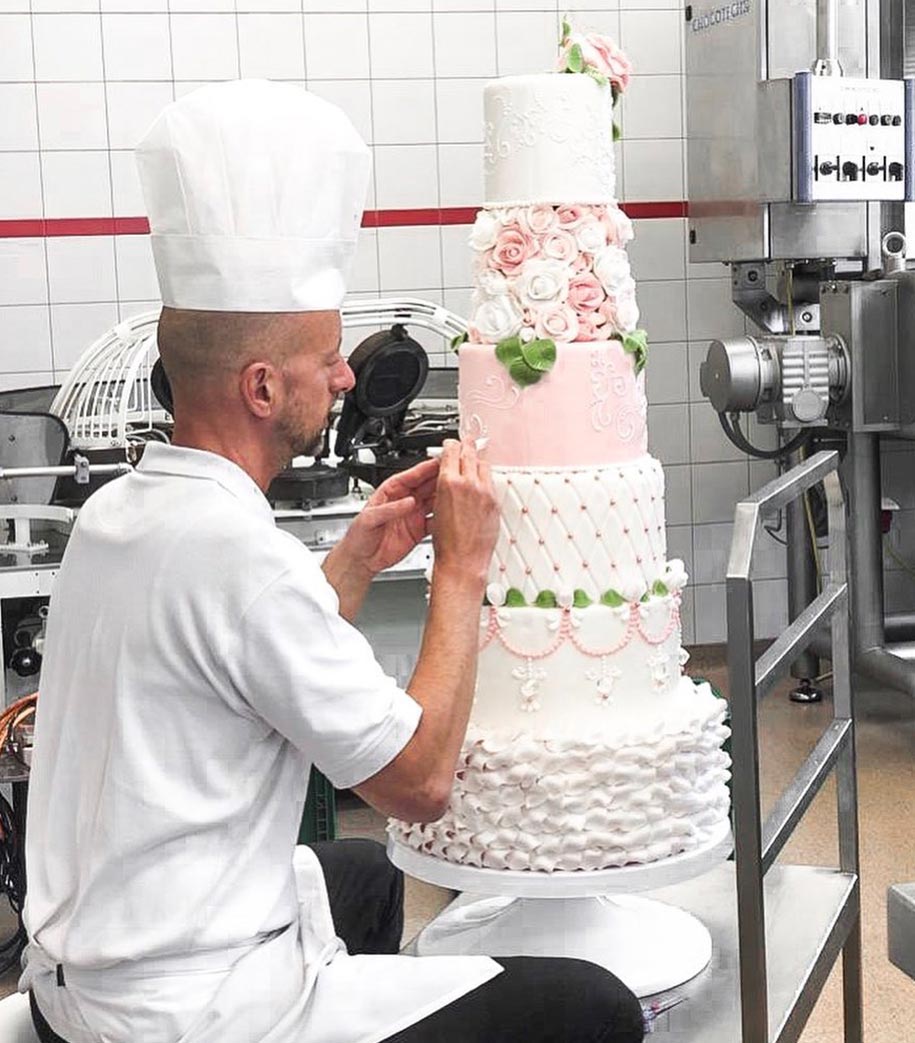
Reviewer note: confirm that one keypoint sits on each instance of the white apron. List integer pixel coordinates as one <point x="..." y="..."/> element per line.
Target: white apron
<point x="299" y="986"/>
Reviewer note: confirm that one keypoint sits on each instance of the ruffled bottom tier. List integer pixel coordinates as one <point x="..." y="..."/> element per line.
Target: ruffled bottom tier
<point x="585" y="804"/>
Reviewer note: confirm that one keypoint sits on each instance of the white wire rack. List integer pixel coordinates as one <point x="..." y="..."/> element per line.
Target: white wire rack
<point x="107" y="400"/>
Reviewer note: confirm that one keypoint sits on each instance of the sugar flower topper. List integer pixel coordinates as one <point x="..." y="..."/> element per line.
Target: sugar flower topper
<point x="596" y="56"/>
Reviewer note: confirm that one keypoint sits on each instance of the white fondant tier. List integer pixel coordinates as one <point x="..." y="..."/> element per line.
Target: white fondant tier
<point x="548" y="139"/>
<point x="594" y="529"/>
<point x="619" y="797"/>
<point x="563" y="673"/>
<point x="589" y="409"/>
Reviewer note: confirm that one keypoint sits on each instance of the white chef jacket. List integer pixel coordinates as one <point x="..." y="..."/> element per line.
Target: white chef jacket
<point x="196" y="667"/>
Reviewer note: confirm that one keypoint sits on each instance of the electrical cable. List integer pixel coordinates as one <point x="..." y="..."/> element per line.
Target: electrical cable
<point x="732" y="429"/>
<point x="12" y="884"/>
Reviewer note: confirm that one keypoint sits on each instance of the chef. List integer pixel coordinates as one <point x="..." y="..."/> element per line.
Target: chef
<point x="199" y="660"/>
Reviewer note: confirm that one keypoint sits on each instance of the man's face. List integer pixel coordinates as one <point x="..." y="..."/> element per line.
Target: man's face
<point x="315" y="375"/>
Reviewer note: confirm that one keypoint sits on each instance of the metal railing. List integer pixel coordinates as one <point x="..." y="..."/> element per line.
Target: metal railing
<point x="758" y="843"/>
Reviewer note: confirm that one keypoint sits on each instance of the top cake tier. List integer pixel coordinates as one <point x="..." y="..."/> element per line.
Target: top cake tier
<point x="549" y="139"/>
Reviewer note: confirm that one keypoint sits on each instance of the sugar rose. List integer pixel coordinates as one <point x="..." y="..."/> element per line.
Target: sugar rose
<point x="559" y="245"/>
<point x="542" y="280"/>
<point x="484" y="231"/>
<point x="570" y="215"/>
<point x="537" y="220"/>
<point x="491" y="282"/>
<point x="512" y="248"/>
<point x="589" y="329"/>
<point x="617" y="226"/>
<point x="586" y="292"/>
<point x="497" y="318"/>
<point x="557" y="322"/>
<point x="590" y="235"/>
<point x="600" y="54"/>
<point x="611" y="266"/>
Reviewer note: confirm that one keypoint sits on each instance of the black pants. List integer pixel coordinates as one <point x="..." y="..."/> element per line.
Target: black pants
<point x="533" y="1000"/>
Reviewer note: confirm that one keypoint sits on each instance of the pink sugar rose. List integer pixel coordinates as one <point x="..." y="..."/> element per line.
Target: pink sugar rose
<point x="582" y="263"/>
<point x="586" y="293"/>
<point x="570" y="215"/>
<point x="537" y="220"/>
<point x="512" y="249"/>
<point x="588" y="329"/>
<point x="614" y="64"/>
<point x="559" y="245"/>
<point x="556" y="322"/>
<point x="617" y="225"/>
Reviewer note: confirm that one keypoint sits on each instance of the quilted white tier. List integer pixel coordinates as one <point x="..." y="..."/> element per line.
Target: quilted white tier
<point x="590" y="801"/>
<point x="567" y="672"/>
<point x="548" y="139"/>
<point x="592" y="529"/>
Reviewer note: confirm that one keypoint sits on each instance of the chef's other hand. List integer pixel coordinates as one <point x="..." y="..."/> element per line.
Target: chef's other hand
<point x="466" y="520"/>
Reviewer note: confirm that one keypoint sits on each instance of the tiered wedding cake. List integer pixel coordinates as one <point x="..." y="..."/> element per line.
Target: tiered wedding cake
<point x="587" y="748"/>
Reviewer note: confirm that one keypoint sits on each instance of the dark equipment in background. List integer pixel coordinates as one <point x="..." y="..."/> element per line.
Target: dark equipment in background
<point x="390" y="369"/>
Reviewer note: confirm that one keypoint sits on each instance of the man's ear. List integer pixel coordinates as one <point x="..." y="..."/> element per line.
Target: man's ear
<point x="260" y="387"/>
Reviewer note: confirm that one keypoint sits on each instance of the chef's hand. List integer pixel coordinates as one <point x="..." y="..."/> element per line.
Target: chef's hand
<point x="394" y="520"/>
<point x="466" y="520"/>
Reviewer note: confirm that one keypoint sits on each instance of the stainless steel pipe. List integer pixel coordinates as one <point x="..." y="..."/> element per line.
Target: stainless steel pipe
<point x="827" y="63"/>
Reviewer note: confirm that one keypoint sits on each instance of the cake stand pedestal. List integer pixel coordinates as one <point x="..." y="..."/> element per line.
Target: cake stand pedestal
<point x="648" y="944"/>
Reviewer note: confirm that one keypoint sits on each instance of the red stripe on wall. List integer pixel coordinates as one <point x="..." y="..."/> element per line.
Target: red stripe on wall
<point x="40" y="228"/>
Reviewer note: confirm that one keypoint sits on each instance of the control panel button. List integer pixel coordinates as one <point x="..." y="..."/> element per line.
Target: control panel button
<point x="897" y="121"/>
<point x="851" y="119"/>
<point x="822" y="117"/>
<point x="850" y="171"/>
<point x="873" y="120"/>
<point x="838" y="118"/>
<point x="886" y="121"/>
<point x="826" y="169"/>
<point x="896" y="170"/>
<point x="873" y="169"/>
<point x="862" y="119"/>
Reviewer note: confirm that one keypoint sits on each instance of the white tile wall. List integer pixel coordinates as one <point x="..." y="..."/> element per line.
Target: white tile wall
<point x="81" y="81"/>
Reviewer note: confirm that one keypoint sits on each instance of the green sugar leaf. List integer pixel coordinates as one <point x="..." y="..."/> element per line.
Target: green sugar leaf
<point x="617" y="133"/>
<point x="636" y="343"/>
<point x="566" y="29"/>
<point x="612" y="599"/>
<point x="546" y="599"/>
<point x="460" y="339"/>
<point x="598" y="77"/>
<point x="580" y="599"/>
<point x="539" y="355"/>
<point x="522" y="374"/>
<point x="508" y="350"/>
<point x="576" y="62"/>
<point x="660" y="589"/>
<point x="514" y="598"/>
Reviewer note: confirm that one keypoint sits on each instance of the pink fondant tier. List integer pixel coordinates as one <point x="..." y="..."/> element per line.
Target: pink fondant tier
<point x="589" y="409"/>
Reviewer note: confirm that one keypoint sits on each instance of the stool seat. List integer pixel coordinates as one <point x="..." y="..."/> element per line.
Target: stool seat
<point x="16" y="1020"/>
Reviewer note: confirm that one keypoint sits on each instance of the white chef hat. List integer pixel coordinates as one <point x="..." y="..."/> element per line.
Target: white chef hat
<point x="254" y="192"/>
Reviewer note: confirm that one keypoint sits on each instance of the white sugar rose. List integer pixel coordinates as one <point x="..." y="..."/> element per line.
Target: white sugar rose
<point x="590" y="236"/>
<point x="495" y="594"/>
<point x="485" y="231"/>
<point x="497" y="318"/>
<point x="675" y="576"/>
<point x="542" y="281"/>
<point x="627" y="312"/>
<point x="611" y="266"/>
<point x="492" y="283"/>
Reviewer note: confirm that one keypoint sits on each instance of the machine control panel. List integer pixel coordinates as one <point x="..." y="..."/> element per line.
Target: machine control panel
<point x="854" y="139"/>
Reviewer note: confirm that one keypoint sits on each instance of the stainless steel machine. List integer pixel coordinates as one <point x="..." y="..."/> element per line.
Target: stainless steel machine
<point x="801" y="168"/>
<point x="801" y="164"/>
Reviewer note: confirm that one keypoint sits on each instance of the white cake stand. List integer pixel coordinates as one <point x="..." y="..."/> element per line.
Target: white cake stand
<point x="649" y="945"/>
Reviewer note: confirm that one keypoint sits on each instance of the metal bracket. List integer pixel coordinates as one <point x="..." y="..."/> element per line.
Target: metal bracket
<point x="750" y="293"/>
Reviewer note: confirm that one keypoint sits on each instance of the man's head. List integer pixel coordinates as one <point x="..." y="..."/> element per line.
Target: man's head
<point x="265" y="381"/>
